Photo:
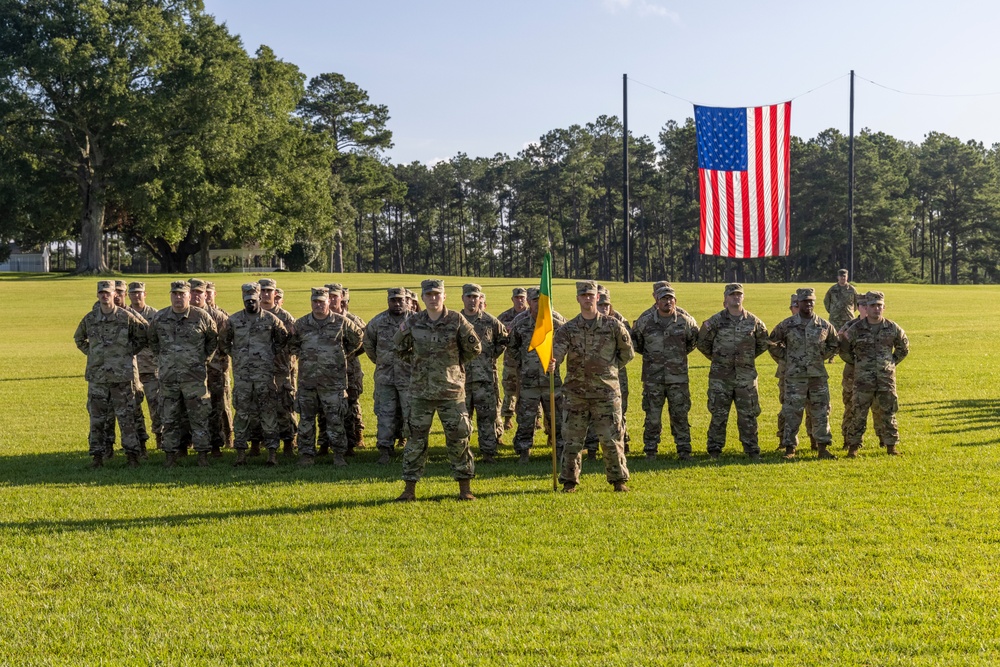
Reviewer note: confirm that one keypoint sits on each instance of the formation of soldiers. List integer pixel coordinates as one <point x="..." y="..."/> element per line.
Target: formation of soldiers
<point x="297" y="383"/>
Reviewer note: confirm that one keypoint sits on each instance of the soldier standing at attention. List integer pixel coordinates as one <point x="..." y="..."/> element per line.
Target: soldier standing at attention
<point x="482" y="390"/>
<point x="110" y="337"/>
<point x="804" y="341"/>
<point x="438" y="342"/>
<point x="183" y="339"/>
<point x="322" y="341"/>
<point x="218" y="372"/>
<point x="841" y="300"/>
<point x="733" y="339"/>
<point x="392" y="373"/>
<point x="779" y="373"/>
<point x="605" y="307"/>
<point x="847" y="382"/>
<point x="665" y="337"/>
<point x="875" y="346"/>
<point x="533" y="382"/>
<point x="519" y="301"/>
<point x="149" y="383"/>
<point x="284" y="371"/>
<point x="355" y="423"/>
<point x="252" y="337"/>
<point x="594" y="347"/>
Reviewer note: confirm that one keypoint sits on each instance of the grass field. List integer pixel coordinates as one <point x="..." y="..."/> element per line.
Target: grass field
<point x="875" y="561"/>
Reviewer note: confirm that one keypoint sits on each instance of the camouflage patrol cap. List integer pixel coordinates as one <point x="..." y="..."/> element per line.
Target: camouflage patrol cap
<point x="534" y="293"/>
<point x="660" y="283"/>
<point x="279" y="293"/>
<point x="471" y="288"/>
<point x="120" y="286"/>
<point x="795" y="299"/>
<point x="874" y="297"/>
<point x="105" y="286"/>
<point x="604" y="297"/>
<point x="431" y="285"/>
<point x="806" y="294"/>
<point x="267" y="283"/>
<point x="733" y="288"/>
<point x="346" y="293"/>
<point x="320" y="294"/>
<point x="586" y="287"/>
<point x="519" y="291"/>
<point x="664" y="290"/>
<point x="842" y="272"/>
<point x="251" y="291"/>
<point x="180" y="286"/>
<point x="397" y="293"/>
<point x="197" y="285"/>
<point x="335" y="287"/>
<point x="137" y="287"/>
<point x="210" y="286"/>
<point x="863" y="299"/>
<point x="411" y="294"/>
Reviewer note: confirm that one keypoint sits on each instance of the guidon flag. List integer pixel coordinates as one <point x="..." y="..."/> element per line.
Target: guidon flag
<point x="743" y="177"/>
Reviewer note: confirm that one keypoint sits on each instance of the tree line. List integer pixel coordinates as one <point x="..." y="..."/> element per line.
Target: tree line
<point x="149" y="120"/>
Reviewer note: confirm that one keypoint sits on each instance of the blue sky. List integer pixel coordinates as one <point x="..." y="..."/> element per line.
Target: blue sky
<point x="489" y="77"/>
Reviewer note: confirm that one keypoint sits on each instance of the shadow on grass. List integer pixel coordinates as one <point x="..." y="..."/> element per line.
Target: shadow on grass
<point x="977" y="418"/>
<point x="43" y="377"/>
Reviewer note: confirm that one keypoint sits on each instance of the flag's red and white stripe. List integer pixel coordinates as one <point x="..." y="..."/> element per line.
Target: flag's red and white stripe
<point x="746" y="213"/>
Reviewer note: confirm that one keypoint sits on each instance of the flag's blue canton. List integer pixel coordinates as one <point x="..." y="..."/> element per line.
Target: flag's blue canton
<point x="722" y="138"/>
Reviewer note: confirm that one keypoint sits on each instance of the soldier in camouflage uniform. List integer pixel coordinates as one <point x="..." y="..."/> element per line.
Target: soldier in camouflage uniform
<point x="184" y="338"/>
<point x="665" y="337"/>
<point x="355" y="423"/>
<point x="594" y="347"/>
<point x="847" y="382"/>
<point x="605" y="307"/>
<point x="519" y="299"/>
<point x="841" y="300"/>
<point x="149" y="383"/>
<point x="875" y="346"/>
<point x="219" y="388"/>
<point x="438" y="342"/>
<point x="780" y="374"/>
<point x="110" y="337"/>
<point x="392" y="374"/>
<point x="252" y="337"/>
<point x="533" y="382"/>
<point x="322" y="341"/>
<point x="804" y="342"/>
<point x="482" y="390"/>
<point x="284" y="371"/>
<point x="733" y="339"/>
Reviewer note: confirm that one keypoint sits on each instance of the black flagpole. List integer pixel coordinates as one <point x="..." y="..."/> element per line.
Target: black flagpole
<point x="850" y="190"/>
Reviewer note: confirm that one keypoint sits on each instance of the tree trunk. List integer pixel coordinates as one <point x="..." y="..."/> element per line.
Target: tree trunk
<point x="92" y="193"/>
<point x="338" y="252"/>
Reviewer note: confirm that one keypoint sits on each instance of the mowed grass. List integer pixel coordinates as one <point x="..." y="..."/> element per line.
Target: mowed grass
<point x="876" y="561"/>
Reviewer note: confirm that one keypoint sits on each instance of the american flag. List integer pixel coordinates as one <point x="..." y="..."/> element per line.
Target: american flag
<point x="743" y="174"/>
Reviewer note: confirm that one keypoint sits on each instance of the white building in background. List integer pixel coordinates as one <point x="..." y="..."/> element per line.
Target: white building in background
<point x="26" y="262"/>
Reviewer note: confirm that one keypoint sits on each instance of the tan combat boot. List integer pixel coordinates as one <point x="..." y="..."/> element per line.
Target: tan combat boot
<point x="409" y="493"/>
<point x="464" y="492"/>
<point x="852" y="452"/>
<point x="171" y="460"/>
<point x="569" y="487"/>
<point x="289" y="447"/>
<point x="97" y="462"/>
<point x="202" y="459"/>
<point x="241" y="458"/>
<point x="339" y="460"/>
<point x="489" y="458"/>
<point x="789" y="453"/>
<point x="385" y="457"/>
<point x="306" y="460"/>
<point x="255" y="448"/>
<point x="525" y="457"/>
<point x="216" y="451"/>
<point x="892" y="451"/>
<point x="132" y="459"/>
<point x="272" y="458"/>
<point x="825" y="453"/>
<point x="620" y="487"/>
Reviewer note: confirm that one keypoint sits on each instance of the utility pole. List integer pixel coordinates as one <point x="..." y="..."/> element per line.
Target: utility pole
<point x="850" y="189"/>
<point x="627" y="226"/>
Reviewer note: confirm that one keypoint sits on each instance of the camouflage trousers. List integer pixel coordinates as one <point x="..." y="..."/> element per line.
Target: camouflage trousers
<point x="256" y="406"/>
<point x="677" y="396"/>
<point x="509" y="392"/>
<point x="592" y="438"/>
<point x="528" y="401"/>
<point x="605" y="416"/>
<point x="392" y="412"/>
<point x="847" y="392"/>
<point x="151" y="393"/>
<point x="883" y="406"/>
<point x="722" y="395"/>
<point x="457" y="428"/>
<point x="481" y="399"/>
<point x="812" y="395"/>
<point x="221" y="420"/>
<point x="287" y="419"/>
<point x="185" y="408"/>
<point x="139" y="418"/>
<point x="354" y="423"/>
<point x="781" y="419"/>
<point x="328" y="403"/>
<point x="107" y="402"/>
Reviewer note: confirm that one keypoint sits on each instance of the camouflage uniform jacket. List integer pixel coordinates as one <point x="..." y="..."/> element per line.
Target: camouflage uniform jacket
<point x="493" y="337"/>
<point x="594" y="350"/>
<point x="183" y="343"/>
<point x="529" y="368"/>
<point x="283" y="362"/>
<point x="110" y="343"/>
<point x="253" y="340"/>
<point x="664" y="343"/>
<point x="804" y="345"/>
<point x="875" y="350"/>
<point x="145" y="359"/>
<point x="438" y="351"/>
<point x="322" y="347"/>
<point x="508" y="316"/>
<point x="355" y="374"/>
<point x="390" y="369"/>
<point x="841" y="302"/>
<point x="219" y="362"/>
<point x="733" y="343"/>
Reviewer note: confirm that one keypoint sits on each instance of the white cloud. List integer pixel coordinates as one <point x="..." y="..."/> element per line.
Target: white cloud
<point x="642" y="8"/>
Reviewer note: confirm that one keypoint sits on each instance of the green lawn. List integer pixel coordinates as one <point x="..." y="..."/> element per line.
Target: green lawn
<point x="876" y="561"/>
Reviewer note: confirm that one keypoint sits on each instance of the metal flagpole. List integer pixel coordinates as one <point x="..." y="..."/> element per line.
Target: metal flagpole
<point x="627" y="226"/>
<point x="850" y="189"/>
<point x="552" y="428"/>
